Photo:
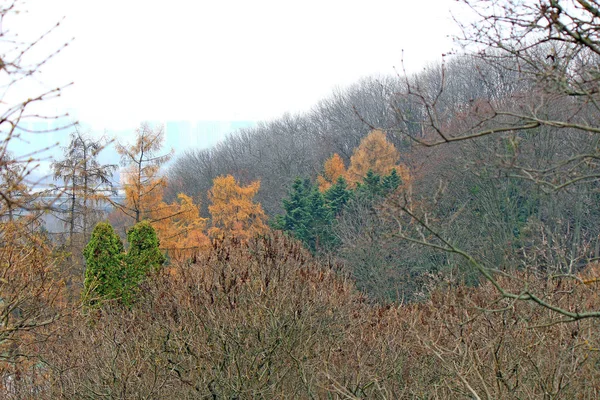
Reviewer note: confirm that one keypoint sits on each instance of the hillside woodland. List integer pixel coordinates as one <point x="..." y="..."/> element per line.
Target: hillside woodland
<point x="434" y="235"/>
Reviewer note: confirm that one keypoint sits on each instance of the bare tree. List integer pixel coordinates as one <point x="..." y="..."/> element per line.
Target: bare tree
<point x="17" y="66"/>
<point x="30" y="290"/>
<point x="86" y="184"/>
<point x="542" y="128"/>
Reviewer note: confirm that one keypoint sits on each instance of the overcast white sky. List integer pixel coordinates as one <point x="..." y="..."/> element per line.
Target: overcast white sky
<point x="136" y="60"/>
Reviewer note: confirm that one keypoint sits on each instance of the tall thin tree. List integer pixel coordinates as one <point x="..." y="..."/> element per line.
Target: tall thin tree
<point x="85" y="182"/>
<point x="141" y="180"/>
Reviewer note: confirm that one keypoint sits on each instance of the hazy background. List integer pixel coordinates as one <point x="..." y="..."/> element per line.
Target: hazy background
<point x="205" y="68"/>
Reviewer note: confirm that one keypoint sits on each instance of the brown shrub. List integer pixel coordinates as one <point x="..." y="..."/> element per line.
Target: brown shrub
<point x="264" y="320"/>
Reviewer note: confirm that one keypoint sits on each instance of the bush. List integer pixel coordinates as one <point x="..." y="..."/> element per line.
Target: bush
<point x="112" y="274"/>
<point x="104" y="265"/>
<point x="144" y="255"/>
<point x="263" y="319"/>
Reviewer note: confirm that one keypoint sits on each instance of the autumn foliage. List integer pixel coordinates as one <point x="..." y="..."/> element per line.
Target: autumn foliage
<point x="33" y="295"/>
<point x="233" y="211"/>
<point x="179" y="224"/>
<point x="378" y="155"/>
<point x="142" y="181"/>
<point x="333" y="169"/>
<point x="461" y="277"/>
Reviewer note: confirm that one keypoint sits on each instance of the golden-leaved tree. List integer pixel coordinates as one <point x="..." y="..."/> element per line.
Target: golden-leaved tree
<point x="233" y="211"/>
<point x="332" y="169"/>
<point x="375" y="154"/>
<point x="178" y="225"/>
<point x="142" y="182"/>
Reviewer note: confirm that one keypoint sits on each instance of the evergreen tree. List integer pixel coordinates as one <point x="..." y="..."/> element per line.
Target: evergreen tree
<point x="371" y="187"/>
<point x="391" y="182"/>
<point x="296" y="219"/>
<point x="142" y="258"/>
<point x="338" y="195"/>
<point x="144" y="255"/>
<point x="319" y="223"/>
<point x="105" y="269"/>
<point x="308" y="217"/>
<point x="112" y="274"/>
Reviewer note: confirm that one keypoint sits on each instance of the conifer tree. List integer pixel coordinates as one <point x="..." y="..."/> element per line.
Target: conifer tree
<point x="296" y="219"/>
<point x="179" y="224"/>
<point x="112" y="274"/>
<point x="308" y="217"/>
<point x="333" y="169"/>
<point x="141" y="179"/>
<point x="105" y="268"/>
<point x="370" y="187"/>
<point x="233" y="211"/>
<point x="144" y="255"/>
<point x="320" y="222"/>
<point x="374" y="153"/>
<point x="338" y="195"/>
<point x="85" y="182"/>
<point x="374" y="187"/>
<point x="391" y="182"/>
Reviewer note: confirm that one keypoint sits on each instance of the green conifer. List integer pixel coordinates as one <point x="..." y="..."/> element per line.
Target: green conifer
<point x="105" y="268"/>
<point x="391" y="182"/>
<point x="338" y="195"/>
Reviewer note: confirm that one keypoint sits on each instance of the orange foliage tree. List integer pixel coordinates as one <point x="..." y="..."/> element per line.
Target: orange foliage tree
<point x="233" y="213"/>
<point x="376" y="154"/>
<point x="332" y="169"/>
<point x="141" y="180"/>
<point x="179" y="224"/>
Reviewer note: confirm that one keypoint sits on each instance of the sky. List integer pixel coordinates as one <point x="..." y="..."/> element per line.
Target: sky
<point x="232" y="60"/>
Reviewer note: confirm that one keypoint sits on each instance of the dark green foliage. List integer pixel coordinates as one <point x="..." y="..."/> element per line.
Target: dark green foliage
<point x="375" y="187"/>
<point x="297" y="215"/>
<point x="321" y="218"/>
<point x="105" y="268"/>
<point x="308" y="217"/>
<point x="338" y="195"/>
<point x="390" y="182"/>
<point x="370" y="187"/>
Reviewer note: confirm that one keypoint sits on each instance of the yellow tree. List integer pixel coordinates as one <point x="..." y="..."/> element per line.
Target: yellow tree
<point x="179" y="224"/>
<point x="141" y="180"/>
<point x="233" y="213"/>
<point x="332" y="169"/>
<point x="376" y="154"/>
